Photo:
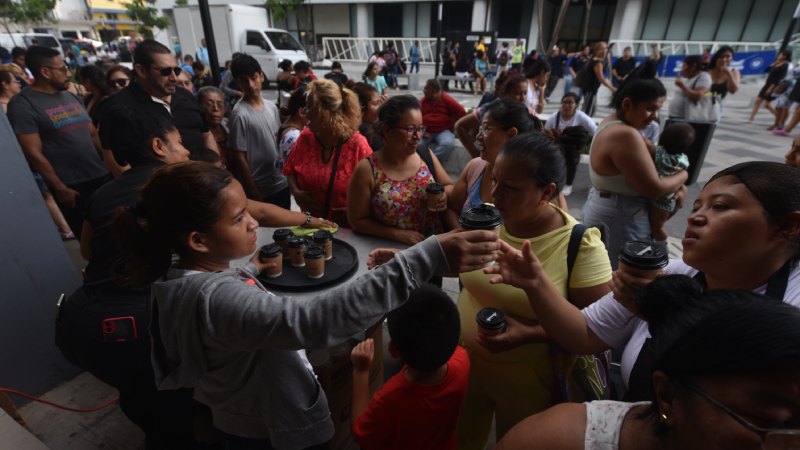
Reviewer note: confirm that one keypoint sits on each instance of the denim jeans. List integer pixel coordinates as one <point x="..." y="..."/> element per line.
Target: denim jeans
<point x="443" y="144"/>
<point x="567" y="83"/>
<point x="391" y="75"/>
<point x="627" y="218"/>
<point x="413" y="65"/>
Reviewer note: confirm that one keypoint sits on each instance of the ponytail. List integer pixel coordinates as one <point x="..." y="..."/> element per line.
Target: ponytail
<point x="177" y="200"/>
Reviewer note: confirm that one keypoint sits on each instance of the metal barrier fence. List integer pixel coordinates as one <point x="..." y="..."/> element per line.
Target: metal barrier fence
<point x="349" y="49"/>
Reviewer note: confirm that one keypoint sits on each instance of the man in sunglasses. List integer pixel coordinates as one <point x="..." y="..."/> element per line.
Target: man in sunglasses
<point x="57" y="136"/>
<point x="153" y="91"/>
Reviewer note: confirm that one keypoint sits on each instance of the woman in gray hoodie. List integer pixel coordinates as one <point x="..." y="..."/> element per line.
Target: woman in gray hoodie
<point x="219" y="331"/>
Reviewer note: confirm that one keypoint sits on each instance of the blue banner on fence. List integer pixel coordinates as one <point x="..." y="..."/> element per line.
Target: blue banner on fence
<point x="747" y="63"/>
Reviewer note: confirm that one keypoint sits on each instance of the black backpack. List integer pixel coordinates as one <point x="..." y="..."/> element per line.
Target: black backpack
<point x="503" y="58"/>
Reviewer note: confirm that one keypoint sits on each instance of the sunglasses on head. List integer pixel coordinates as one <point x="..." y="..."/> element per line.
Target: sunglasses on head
<point x="121" y="82"/>
<point x="167" y="70"/>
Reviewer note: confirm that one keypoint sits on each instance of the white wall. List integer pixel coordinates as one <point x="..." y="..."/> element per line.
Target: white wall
<point x="332" y="19"/>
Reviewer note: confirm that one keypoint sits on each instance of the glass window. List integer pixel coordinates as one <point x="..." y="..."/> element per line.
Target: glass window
<point x="283" y="41"/>
<point x="256" y="39"/>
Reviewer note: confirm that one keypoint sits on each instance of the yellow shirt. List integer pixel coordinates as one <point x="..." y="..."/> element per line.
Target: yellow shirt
<point x="591" y="268"/>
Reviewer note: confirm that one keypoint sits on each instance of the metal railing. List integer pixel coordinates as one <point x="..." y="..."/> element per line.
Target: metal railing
<point x="348" y="49"/>
<point x="642" y="47"/>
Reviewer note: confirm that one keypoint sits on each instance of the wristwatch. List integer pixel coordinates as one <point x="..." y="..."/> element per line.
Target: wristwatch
<point x="308" y="219"/>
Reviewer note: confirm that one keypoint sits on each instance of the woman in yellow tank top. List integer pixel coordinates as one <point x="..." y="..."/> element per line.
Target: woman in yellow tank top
<point x="511" y="377"/>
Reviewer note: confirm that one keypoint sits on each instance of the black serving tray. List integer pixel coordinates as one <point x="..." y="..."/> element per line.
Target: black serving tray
<point x="339" y="268"/>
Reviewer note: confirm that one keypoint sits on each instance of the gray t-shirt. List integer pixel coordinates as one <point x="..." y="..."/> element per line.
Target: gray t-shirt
<point x="64" y="128"/>
<point x="254" y="131"/>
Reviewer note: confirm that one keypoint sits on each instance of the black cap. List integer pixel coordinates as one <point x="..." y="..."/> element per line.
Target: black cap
<point x="314" y="252"/>
<point x="491" y="319"/>
<point x="297" y="242"/>
<point x="322" y="236"/>
<point x="270" y="250"/>
<point x="643" y="255"/>
<point x="481" y="217"/>
<point x="282" y="233"/>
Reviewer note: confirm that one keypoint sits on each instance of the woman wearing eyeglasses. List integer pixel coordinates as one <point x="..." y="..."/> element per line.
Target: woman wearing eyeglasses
<point x="725" y="377"/>
<point x="386" y="196"/>
<point x="502" y="120"/>
<point x="93" y="79"/>
<point x="325" y="154"/>
<point x="118" y="77"/>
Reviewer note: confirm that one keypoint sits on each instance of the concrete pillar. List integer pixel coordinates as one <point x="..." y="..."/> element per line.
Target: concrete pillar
<point x="362" y="20"/>
<point x="479" y="15"/>
<point x="533" y="34"/>
<point x="626" y="19"/>
<point x="409" y="19"/>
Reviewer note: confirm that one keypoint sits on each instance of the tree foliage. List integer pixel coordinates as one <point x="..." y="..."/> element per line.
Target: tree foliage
<point x="25" y="13"/>
<point x="145" y="12"/>
<point x="281" y="8"/>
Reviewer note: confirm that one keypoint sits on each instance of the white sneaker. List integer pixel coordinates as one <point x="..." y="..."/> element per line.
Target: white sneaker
<point x="567" y="190"/>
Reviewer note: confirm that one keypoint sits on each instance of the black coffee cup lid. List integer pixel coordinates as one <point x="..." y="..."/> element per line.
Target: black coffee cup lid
<point x="322" y="235"/>
<point x="314" y="252"/>
<point x="282" y="233"/>
<point x="643" y="255"/>
<point x="271" y="250"/>
<point x="297" y="242"/>
<point x="434" y="188"/>
<point x="481" y="217"/>
<point x="491" y="319"/>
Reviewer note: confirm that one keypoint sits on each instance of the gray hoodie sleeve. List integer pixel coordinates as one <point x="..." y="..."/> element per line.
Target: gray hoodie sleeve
<point x="241" y="316"/>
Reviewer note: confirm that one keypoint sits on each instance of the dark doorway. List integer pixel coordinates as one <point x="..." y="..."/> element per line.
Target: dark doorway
<point x="456" y="16"/>
<point x="509" y="18"/>
<point x="387" y="19"/>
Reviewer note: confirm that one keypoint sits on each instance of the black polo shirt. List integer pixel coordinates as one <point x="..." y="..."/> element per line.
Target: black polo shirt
<point x="187" y="114"/>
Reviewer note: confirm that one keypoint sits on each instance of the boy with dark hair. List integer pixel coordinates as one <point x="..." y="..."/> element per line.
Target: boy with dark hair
<point x="253" y="125"/>
<point x="669" y="157"/>
<point x="417" y="408"/>
<point x="303" y="74"/>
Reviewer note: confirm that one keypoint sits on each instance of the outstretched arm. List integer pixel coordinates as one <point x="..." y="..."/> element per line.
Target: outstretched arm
<point x="562" y="320"/>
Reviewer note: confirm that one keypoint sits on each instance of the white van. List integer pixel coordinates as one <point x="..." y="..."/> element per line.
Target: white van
<point x="12" y="40"/>
<point x="239" y="28"/>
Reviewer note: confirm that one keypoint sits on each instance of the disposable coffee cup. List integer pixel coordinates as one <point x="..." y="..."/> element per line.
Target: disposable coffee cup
<point x="297" y="246"/>
<point x="315" y="262"/>
<point x="324" y="239"/>
<point x="642" y="259"/>
<point x="491" y="321"/>
<point x="434" y="193"/>
<point x="281" y="237"/>
<point x="482" y="217"/>
<point x="274" y="254"/>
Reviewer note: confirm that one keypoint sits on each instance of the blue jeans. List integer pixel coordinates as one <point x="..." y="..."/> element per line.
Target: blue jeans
<point x="443" y="144"/>
<point x="567" y="83"/>
<point x="413" y="65"/>
<point x="391" y="75"/>
<point x="627" y="218"/>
